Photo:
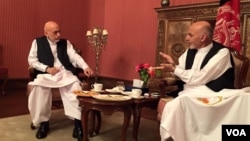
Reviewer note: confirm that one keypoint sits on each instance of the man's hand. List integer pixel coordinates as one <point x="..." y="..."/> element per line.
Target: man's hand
<point x="52" y="70"/>
<point x="169" y="65"/>
<point x="88" y="72"/>
<point x="165" y="66"/>
<point x="167" y="58"/>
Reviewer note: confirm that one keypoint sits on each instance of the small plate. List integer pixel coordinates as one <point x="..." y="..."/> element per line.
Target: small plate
<point x="97" y="91"/>
<point x="155" y="95"/>
<point x="140" y="97"/>
<point x="108" y="97"/>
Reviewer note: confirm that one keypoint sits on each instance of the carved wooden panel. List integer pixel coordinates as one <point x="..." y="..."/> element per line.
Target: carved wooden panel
<point x="246" y="41"/>
<point x="176" y="33"/>
<point x="173" y="24"/>
<point x="171" y="37"/>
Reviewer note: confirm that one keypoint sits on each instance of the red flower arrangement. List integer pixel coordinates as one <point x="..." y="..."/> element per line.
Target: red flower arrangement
<point x="145" y="72"/>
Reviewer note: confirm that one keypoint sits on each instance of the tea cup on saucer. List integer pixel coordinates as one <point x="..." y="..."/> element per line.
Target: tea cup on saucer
<point x="136" y="93"/>
<point x="97" y="87"/>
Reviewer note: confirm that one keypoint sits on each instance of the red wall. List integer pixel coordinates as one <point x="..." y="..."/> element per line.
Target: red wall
<point x="132" y="27"/>
<point x="22" y="21"/>
<point x="132" y="39"/>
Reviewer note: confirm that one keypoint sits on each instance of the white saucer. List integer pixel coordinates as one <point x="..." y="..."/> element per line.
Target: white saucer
<point x="97" y="91"/>
<point x="140" y="97"/>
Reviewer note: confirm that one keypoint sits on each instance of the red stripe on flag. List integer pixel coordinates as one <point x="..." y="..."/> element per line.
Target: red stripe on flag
<point x="227" y="27"/>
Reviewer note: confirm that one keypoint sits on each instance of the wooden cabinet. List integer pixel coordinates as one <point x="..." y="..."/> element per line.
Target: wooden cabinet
<point x="173" y="23"/>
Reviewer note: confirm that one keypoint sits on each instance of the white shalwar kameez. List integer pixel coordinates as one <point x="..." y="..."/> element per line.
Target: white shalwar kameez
<point x="40" y="97"/>
<point x="176" y="119"/>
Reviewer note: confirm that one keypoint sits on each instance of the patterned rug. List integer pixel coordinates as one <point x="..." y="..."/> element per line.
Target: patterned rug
<point x="18" y="129"/>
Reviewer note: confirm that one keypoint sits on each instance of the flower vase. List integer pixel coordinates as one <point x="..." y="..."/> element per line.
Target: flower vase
<point x="145" y="90"/>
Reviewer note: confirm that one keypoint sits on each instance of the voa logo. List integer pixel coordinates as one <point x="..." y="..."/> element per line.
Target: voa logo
<point x="236" y="132"/>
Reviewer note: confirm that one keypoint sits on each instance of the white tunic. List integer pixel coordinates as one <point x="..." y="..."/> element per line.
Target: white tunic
<point x="40" y="96"/>
<point x="173" y="118"/>
<point x="199" y="116"/>
<point x="195" y="77"/>
<point x="74" y="57"/>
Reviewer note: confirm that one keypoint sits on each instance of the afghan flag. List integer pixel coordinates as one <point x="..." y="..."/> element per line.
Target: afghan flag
<point x="227" y="26"/>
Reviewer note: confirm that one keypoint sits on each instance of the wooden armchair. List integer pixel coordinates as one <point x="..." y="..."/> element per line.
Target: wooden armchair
<point x="4" y="77"/>
<point x="241" y="68"/>
<point x="56" y="98"/>
<point x="3" y="72"/>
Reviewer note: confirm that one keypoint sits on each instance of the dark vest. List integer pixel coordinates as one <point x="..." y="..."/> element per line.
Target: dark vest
<point x="226" y="80"/>
<point x="45" y="55"/>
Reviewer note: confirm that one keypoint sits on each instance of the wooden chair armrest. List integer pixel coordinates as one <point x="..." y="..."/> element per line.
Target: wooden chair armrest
<point x="168" y="81"/>
<point x="30" y="69"/>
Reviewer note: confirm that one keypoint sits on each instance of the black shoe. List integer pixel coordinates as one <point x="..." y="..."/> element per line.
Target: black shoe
<point x="78" y="132"/>
<point x="43" y="130"/>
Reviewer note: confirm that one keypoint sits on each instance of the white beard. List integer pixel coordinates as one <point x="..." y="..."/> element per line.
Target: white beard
<point x="192" y="47"/>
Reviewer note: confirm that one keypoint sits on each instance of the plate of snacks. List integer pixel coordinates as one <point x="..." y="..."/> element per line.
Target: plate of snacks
<point x="108" y="97"/>
<point x="85" y="93"/>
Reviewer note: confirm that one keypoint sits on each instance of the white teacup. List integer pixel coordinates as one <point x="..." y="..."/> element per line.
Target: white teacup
<point x="136" y="93"/>
<point x="97" y="86"/>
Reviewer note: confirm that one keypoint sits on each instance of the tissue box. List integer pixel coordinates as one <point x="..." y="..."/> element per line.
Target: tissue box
<point x="137" y="83"/>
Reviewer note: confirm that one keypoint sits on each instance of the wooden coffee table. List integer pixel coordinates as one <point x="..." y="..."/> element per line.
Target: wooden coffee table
<point x="92" y="105"/>
<point x="137" y="107"/>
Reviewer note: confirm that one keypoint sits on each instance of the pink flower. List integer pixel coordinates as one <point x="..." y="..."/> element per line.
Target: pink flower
<point x="151" y="71"/>
<point x="146" y="65"/>
<point x="145" y="72"/>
